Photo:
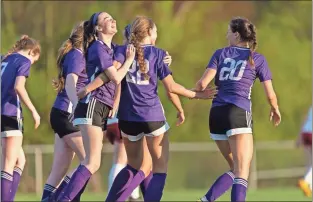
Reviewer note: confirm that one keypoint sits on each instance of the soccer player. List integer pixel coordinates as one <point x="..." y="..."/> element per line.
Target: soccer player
<point x="305" y="139"/>
<point x="114" y="136"/>
<point x="235" y="68"/>
<point x="92" y="112"/>
<point x="141" y="113"/>
<point x="68" y="141"/>
<point x="15" y="68"/>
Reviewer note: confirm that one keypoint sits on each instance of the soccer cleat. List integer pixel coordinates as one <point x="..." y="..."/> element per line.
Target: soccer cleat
<point x="305" y="187"/>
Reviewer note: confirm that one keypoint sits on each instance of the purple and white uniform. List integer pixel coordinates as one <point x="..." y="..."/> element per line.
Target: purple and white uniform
<point x="12" y="66"/>
<point x="73" y="63"/>
<point x="139" y="102"/>
<point x="95" y="107"/>
<point x="234" y="79"/>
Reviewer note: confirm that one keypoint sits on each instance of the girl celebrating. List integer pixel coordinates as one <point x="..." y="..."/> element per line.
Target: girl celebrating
<point x="235" y="69"/>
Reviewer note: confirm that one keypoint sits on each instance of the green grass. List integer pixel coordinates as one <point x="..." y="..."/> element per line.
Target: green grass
<point x="282" y="194"/>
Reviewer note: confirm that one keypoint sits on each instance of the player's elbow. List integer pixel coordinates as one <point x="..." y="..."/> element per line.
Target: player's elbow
<point x="170" y="89"/>
<point x="169" y="95"/>
<point x="18" y="88"/>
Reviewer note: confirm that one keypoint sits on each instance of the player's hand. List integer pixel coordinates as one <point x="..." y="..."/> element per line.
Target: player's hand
<point x="208" y="93"/>
<point x="130" y="52"/>
<point x="82" y="93"/>
<point x="113" y="112"/>
<point x="36" y="118"/>
<point x="275" y="116"/>
<point x="167" y="59"/>
<point x="180" y="118"/>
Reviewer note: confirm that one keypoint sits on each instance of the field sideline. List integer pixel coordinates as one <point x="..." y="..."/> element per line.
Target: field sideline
<point x="275" y="194"/>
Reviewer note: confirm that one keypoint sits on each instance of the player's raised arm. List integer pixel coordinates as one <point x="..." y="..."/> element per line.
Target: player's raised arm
<point x="117" y="75"/>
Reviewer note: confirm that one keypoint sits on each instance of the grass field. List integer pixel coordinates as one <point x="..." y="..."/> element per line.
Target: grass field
<point x="282" y="194"/>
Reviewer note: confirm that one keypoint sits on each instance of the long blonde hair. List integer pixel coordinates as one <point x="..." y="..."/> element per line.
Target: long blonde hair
<point x="139" y="30"/>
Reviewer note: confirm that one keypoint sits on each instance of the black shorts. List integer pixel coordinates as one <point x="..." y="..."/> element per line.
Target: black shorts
<point x="134" y="131"/>
<point x="60" y="123"/>
<point x="11" y="126"/>
<point x="229" y="120"/>
<point x="92" y="113"/>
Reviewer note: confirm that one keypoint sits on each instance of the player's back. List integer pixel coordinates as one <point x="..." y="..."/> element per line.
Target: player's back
<point x="139" y="98"/>
<point x="12" y="66"/>
<point x="235" y="75"/>
<point x="73" y="62"/>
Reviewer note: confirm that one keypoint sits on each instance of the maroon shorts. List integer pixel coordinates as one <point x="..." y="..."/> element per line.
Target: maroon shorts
<point x="306" y="139"/>
<point x="113" y="133"/>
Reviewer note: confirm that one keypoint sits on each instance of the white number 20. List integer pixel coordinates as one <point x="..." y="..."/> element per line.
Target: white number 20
<point x="228" y="72"/>
<point x="134" y="76"/>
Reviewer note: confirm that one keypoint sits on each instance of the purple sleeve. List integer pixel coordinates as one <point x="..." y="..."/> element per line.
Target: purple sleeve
<point x="105" y="59"/>
<point x="162" y="69"/>
<point x="76" y="64"/>
<point x="23" y="69"/>
<point x="213" y="61"/>
<point x="119" y="54"/>
<point x="262" y="70"/>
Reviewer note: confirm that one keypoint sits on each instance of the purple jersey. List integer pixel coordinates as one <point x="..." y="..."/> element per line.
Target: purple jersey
<point x="139" y="98"/>
<point x="100" y="58"/>
<point x="73" y="62"/>
<point x="235" y="75"/>
<point x="11" y="67"/>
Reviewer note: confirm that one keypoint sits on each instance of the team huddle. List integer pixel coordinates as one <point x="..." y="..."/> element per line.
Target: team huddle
<point x="109" y="90"/>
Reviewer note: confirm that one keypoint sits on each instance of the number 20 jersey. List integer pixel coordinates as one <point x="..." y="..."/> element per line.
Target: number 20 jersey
<point x="139" y="97"/>
<point x="235" y="75"/>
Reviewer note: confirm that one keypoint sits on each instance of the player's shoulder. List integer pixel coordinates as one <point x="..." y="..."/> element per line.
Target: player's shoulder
<point x="98" y="45"/>
<point x="74" y="53"/>
<point x="258" y="56"/>
<point x="17" y="59"/>
<point x="158" y="52"/>
<point x="120" y="48"/>
<point x="100" y="48"/>
<point x="219" y="51"/>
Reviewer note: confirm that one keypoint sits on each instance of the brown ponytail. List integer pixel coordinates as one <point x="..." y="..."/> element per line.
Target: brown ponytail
<point x="58" y="84"/>
<point x="76" y="40"/>
<point x="247" y="32"/>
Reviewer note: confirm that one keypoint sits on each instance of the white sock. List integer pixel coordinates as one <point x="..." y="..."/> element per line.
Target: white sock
<point x="115" y="169"/>
<point x="308" y="177"/>
<point x="135" y="194"/>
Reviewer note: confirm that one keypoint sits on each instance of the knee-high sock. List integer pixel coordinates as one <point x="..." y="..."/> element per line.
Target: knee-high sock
<point x="17" y="173"/>
<point x="6" y="186"/>
<point x="220" y="186"/>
